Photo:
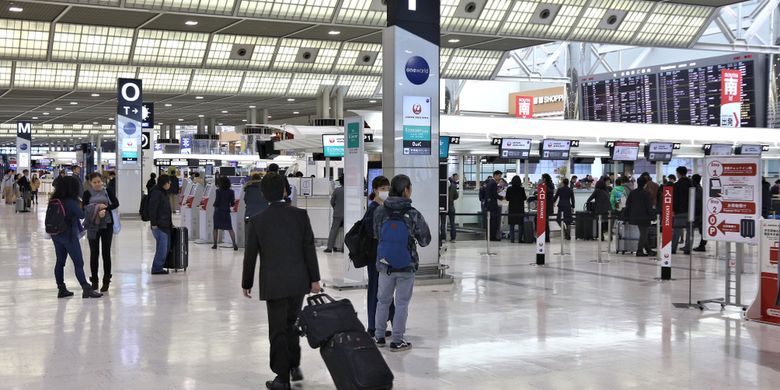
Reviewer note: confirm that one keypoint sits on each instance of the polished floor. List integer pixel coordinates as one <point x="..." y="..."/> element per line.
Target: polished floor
<point x="502" y="325"/>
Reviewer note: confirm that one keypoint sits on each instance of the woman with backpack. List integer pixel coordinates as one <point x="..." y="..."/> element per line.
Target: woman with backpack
<point x="98" y="204"/>
<point x="63" y="223"/>
<point x="399" y="228"/>
<point x="380" y="190"/>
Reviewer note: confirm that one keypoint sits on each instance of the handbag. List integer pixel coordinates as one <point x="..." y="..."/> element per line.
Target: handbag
<point x="324" y="316"/>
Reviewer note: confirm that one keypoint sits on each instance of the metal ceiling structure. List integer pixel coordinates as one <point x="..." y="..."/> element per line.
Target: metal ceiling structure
<point x="234" y="53"/>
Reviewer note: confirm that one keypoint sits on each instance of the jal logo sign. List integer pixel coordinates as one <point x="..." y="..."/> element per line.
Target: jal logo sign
<point x="417" y="109"/>
<point x="417" y="70"/>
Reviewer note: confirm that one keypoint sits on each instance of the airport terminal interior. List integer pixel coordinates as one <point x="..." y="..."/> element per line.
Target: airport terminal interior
<point x="600" y="180"/>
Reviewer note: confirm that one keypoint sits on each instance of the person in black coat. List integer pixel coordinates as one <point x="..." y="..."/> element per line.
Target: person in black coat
<point x="766" y="198"/>
<point x="491" y="206"/>
<point x="516" y="197"/>
<point x="151" y="183"/>
<point x="159" y="210"/>
<point x="282" y="235"/>
<point x="565" y="198"/>
<point x="601" y="206"/>
<point x="680" y="206"/>
<point x="223" y="203"/>
<point x="699" y="207"/>
<point x="640" y="213"/>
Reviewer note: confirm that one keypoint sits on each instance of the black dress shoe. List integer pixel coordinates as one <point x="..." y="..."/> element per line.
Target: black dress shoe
<point x="328" y="250"/>
<point x="277" y="384"/>
<point x="296" y="375"/>
<point x="700" y="249"/>
<point x="163" y="272"/>
<point x="651" y="253"/>
<point x="641" y="254"/>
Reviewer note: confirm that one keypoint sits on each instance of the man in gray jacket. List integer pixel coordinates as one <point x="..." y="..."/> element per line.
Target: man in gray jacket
<point x="337" y="202"/>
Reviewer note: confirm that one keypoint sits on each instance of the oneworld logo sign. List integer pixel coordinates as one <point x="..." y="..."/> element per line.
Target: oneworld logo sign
<point x="417" y="70"/>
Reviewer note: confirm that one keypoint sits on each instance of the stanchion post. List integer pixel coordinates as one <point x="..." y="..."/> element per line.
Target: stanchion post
<point x="541" y="223"/>
<point x="487" y="235"/>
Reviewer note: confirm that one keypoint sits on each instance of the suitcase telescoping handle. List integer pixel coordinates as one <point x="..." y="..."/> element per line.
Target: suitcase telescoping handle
<point x="319" y="299"/>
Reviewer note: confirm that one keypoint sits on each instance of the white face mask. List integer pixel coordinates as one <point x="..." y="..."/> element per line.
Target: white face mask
<point x="383" y="195"/>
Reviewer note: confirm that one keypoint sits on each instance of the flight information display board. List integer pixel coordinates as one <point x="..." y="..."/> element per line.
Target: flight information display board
<point x="515" y="148"/>
<point x="555" y="149"/>
<point x="625" y="151"/>
<point x="659" y="151"/>
<point x="685" y="94"/>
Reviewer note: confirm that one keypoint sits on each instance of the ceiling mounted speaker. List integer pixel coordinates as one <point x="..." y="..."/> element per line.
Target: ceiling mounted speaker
<point x="242" y="52"/>
<point x="545" y="13"/>
<point x="612" y="19"/>
<point x="307" y="55"/>
<point x="470" y="9"/>
<point x="378" y="5"/>
<point x="366" y="58"/>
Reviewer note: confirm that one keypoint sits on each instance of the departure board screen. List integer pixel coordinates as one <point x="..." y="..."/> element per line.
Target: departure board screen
<point x="627" y="99"/>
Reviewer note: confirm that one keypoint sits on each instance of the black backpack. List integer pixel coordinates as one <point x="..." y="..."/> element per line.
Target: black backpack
<point x="362" y="247"/>
<point x="56" y="218"/>
<point x="144" y="209"/>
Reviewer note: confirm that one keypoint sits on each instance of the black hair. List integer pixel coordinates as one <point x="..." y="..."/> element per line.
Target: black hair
<point x="619" y="181"/>
<point x="683" y="171"/>
<point x="498" y="173"/>
<point x="671" y="177"/>
<point x="68" y="187"/>
<point x="378" y="182"/>
<point x="601" y="185"/>
<point x="94" y="175"/>
<point x="640" y="183"/>
<point x="163" y="180"/>
<point x="696" y="178"/>
<point x="153" y="175"/>
<point x="399" y="184"/>
<point x="516" y="181"/>
<point x="341" y="180"/>
<point x="565" y="182"/>
<point x="547" y="178"/>
<point x="299" y="174"/>
<point x="273" y="167"/>
<point x="224" y="183"/>
<point x="196" y="174"/>
<point x="272" y="187"/>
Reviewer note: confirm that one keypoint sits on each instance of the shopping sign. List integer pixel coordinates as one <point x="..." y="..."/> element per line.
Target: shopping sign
<point x="732" y="196"/>
<point x="541" y="216"/>
<point x="524" y="106"/>
<point x="667" y="225"/>
<point x="766" y="307"/>
<point x="730" y="98"/>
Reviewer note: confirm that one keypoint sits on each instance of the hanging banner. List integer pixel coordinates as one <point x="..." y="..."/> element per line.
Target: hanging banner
<point x="732" y="199"/>
<point x="129" y="115"/>
<point x="185" y="144"/>
<point x="541" y="219"/>
<point x="730" y="98"/>
<point x="23" y="145"/>
<point x="148" y="115"/>
<point x="524" y="107"/>
<point x="667" y="227"/>
<point x="417" y="125"/>
<point x="766" y="306"/>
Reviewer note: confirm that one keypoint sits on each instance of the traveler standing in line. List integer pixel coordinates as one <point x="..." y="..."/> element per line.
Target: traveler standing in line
<point x="680" y="204"/>
<point x="66" y="195"/>
<point x="775" y="190"/>
<point x="253" y="197"/>
<point x="76" y="172"/>
<point x="273" y="167"/>
<point x="565" y="198"/>
<point x="766" y="198"/>
<point x="98" y="203"/>
<point x="619" y="195"/>
<point x="516" y="197"/>
<point x="641" y="214"/>
<point x="282" y="235"/>
<point x="151" y="182"/>
<point x="492" y="206"/>
<point x="58" y="178"/>
<point x="452" y="196"/>
<point x="380" y="191"/>
<point x="161" y="222"/>
<point x="402" y="251"/>
<point x="173" y="191"/>
<point x="652" y="189"/>
<point x="601" y="207"/>
<point x="25" y="189"/>
<point x="337" y="202"/>
<point x="223" y="203"/>
<point x="111" y="184"/>
<point x="697" y="220"/>
<point x="483" y="202"/>
<point x="35" y="184"/>
<point x="547" y="180"/>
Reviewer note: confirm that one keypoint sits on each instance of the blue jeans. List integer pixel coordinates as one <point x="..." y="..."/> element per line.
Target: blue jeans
<point x="63" y="248"/>
<point x="402" y="284"/>
<point x="163" y="239"/>
<point x="373" y="300"/>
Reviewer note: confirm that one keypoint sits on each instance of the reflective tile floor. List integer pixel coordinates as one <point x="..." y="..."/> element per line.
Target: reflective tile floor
<point x="502" y="325"/>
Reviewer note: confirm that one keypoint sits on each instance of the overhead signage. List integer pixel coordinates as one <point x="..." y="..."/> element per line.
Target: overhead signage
<point x="718" y="150"/>
<point x="575" y="143"/>
<point x="147" y="119"/>
<point x="185" y="144"/>
<point x="538" y="102"/>
<point x="541" y="222"/>
<point x="162" y="162"/>
<point x="333" y="145"/>
<point x="667" y="224"/>
<point x="146" y="140"/>
<point x="732" y="199"/>
<point x="496" y="142"/>
<point x="368" y="137"/>
<point x="353" y="137"/>
<point x="524" y="107"/>
<point x="625" y="151"/>
<point x="750" y="150"/>
<point x="515" y="148"/>
<point x="23" y="145"/>
<point x="128" y="121"/>
<point x="444" y="146"/>
<point x="731" y="98"/>
<point x="659" y="151"/>
<point x="454" y="140"/>
<point x="555" y="149"/>
<point x="417" y="125"/>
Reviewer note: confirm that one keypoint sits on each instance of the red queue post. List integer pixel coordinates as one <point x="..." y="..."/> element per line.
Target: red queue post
<point x="541" y="222"/>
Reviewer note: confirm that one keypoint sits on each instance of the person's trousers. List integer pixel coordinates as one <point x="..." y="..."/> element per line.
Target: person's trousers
<point x="402" y="284"/>
<point x="680" y="223"/>
<point x="373" y="300"/>
<point x="495" y="223"/>
<point x="451" y="218"/>
<point x="644" y="240"/>
<point x="700" y="227"/>
<point x="283" y="336"/>
<point x="565" y="216"/>
<point x="34" y="197"/>
<point x="105" y="236"/>
<point x="338" y="222"/>
<point x="163" y="239"/>
<point x="62" y="249"/>
<point x="512" y="232"/>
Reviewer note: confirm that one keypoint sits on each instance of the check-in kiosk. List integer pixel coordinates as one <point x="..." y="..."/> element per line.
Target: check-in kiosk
<point x="206" y="211"/>
<point x="189" y="214"/>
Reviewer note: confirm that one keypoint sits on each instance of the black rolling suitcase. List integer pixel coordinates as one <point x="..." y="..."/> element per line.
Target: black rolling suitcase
<point x="583" y="226"/>
<point x="355" y="363"/>
<point x="324" y="316"/>
<point x="528" y="235"/>
<point x="178" y="256"/>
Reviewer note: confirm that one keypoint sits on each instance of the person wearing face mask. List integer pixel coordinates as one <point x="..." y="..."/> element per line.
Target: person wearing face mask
<point x="380" y="190"/>
<point x="98" y="202"/>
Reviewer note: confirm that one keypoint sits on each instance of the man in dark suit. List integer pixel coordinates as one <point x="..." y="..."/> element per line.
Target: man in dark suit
<point x="491" y="204"/>
<point x="283" y="237"/>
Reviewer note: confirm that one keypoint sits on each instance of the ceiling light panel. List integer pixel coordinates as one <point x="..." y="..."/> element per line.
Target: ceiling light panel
<point x="93" y="77"/>
<point x="306" y="84"/>
<point x="518" y="21"/>
<point x="350" y="55"/>
<point x="24" y="39"/>
<point x="213" y="81"/>
<point x="266" y="83"/>
<point x="289" y="48"/>
<point x="165" y="80"/>
<point x="444" y="57"/>
<point x="587" y="29"/>
<point x="92" y="43"/>
<point x="676" y="25"/>
<point x="489" y="20"/>
<point x="45" y="75"/>
<point x="302" y="10"/>
<point x="360" y="86"/>
<point x="221" y="7"/>
<point x="472" y="64"/>
<point x="175" y="48"/>
<point x="5" y="74"/>
<point x="222" y="47"/>
<point x="362" y="12"/>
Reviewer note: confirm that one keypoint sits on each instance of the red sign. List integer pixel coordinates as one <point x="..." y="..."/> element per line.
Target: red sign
<point x="667" y="224"/>
<point x="748" y="208"/>
<point x="524" y="107"/>
<point x="730" y="86"/>
<point x="541" y="217"/>
<point x="728" y="227"/>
